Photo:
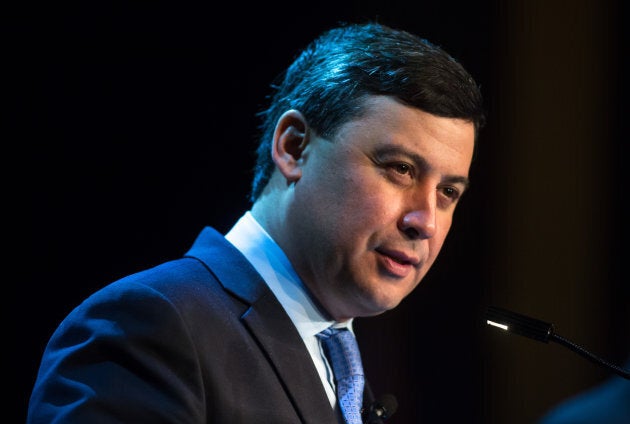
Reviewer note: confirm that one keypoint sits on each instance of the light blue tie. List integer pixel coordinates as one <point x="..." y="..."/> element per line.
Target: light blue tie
<point x="342" y="351"/>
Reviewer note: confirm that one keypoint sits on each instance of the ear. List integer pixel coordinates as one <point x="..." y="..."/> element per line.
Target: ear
<point x="289" y="140"/>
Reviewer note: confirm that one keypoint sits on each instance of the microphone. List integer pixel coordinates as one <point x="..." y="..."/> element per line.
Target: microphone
<point x="542" y="331"/>
<point x="382" y="408"/>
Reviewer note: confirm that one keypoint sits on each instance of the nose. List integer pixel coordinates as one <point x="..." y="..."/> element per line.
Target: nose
<point x="419" y="221"/>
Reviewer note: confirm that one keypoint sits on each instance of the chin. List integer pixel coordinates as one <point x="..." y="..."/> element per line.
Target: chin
<point x="376" y="305"/>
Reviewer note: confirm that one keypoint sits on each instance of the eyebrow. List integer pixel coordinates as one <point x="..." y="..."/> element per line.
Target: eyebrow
<point x="420" y="162"/>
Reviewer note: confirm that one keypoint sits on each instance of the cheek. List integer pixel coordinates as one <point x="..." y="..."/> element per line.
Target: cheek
<point x="364" y="204"/>
<point x="349" y="201"/>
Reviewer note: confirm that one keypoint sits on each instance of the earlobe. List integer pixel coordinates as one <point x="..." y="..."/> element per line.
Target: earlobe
<point x="289" y="140"/>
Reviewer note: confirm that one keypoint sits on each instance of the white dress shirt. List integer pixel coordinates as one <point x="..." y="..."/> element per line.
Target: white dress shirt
<point x="273" y="265"/>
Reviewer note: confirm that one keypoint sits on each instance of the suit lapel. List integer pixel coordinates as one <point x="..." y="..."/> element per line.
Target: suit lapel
<point x="279" y="338"/>
<point x="269" y="324"/>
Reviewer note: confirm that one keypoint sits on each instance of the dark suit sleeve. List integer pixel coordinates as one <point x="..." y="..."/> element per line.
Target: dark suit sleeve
<point x="124" y="355"/>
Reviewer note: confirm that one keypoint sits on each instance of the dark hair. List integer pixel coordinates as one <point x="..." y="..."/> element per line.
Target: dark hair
<point x="329" y="79"/>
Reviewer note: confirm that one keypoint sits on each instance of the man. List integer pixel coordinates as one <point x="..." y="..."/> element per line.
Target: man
<point x="364" y="154"/>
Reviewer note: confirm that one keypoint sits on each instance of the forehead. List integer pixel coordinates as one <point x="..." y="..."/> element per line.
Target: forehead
<point x="448" y="142"/>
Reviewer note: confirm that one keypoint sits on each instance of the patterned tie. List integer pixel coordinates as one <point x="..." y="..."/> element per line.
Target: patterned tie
<point x="342" y="351"/>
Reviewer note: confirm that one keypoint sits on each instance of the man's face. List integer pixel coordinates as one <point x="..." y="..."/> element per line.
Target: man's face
<point x="373" y="206"/>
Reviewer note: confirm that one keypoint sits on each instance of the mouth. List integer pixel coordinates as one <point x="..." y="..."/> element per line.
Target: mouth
<point x="397" y="263"/>
<point x="399" y="256"/>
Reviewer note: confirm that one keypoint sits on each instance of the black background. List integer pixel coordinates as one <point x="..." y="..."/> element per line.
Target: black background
<point x="134" y="126"/>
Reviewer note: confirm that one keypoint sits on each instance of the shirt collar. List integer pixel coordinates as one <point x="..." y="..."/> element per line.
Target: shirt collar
<point x="251" y="239"/>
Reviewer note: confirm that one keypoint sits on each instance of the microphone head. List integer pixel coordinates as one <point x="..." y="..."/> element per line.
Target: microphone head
<point x="519" y="324"/>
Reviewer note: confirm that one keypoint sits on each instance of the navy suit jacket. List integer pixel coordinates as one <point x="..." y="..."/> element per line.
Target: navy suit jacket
<point x="200" y="339"/>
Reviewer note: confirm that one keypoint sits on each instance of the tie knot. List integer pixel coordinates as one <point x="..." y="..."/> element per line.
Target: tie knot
<point x="342" y="351"/>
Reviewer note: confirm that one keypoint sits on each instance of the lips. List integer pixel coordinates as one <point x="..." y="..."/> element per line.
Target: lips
<point x="397" y="262"/>
<point x="399" y="256"/>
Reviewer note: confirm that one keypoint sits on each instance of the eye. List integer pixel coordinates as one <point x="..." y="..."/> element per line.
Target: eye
<point x="451" y="192"/>
<point x="400" y="173"/>
<point x="450" y="195"/>
<point x="402" y="168"/>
